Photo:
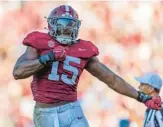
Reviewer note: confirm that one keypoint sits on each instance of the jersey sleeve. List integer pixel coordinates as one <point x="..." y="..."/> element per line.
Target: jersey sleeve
<point x="93" y="50"/>
<point x="30" y="39"/>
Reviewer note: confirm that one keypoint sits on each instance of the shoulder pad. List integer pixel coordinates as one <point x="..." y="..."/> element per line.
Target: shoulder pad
<point x="36" y="40"/>
<point x="92" y="49"/>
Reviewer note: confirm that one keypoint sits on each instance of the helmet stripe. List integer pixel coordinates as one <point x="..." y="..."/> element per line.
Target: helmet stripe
<point x="67" y="8"/>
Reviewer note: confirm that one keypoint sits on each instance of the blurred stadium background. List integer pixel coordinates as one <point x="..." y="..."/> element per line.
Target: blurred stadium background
<point x="130" y="39"/>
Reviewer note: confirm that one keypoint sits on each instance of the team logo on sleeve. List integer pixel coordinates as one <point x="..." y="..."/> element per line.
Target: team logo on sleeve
<point x="82" y="49"/>
<point x="51" y="43"/>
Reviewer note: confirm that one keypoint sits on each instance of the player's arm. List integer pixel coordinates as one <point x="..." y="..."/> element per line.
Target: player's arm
<point x="30" y="63"/>
<point x="27" y="64"/>
<point x="114" y="81"/>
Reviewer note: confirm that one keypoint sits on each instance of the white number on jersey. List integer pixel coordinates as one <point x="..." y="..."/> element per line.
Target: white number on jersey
<point x="66" y="66"/>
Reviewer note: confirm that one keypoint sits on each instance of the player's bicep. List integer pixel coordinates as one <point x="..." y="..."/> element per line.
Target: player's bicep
<point x="29" y="54"/>
<point x="94" y="66"/>
<point x="99" y="70"/>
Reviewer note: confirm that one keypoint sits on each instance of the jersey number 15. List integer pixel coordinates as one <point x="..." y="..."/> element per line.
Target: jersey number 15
<point x="66" y="66"/>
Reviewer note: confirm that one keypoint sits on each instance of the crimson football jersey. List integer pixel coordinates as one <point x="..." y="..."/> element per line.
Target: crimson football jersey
<point x="58" y="81"/>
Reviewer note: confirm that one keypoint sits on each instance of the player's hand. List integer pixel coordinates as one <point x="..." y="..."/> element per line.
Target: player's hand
<point x="46" y="58"/>
<point x="57" y="54"/>
<point x="154" y="103"/>
<point x="150" y="102"/>
<point x="60" y="53"/>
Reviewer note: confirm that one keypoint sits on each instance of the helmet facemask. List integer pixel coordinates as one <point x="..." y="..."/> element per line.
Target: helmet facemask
<point x="64" y="29"/>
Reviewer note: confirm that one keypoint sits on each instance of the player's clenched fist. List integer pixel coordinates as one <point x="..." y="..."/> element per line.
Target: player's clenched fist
<point x="154" y="103"/>
<point x="60" y="53"/>
<point x="151" y="102"/>
<point x="57" y="54"/>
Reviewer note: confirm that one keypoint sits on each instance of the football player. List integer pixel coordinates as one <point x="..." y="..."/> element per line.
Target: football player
<point x="56" y="60"/>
